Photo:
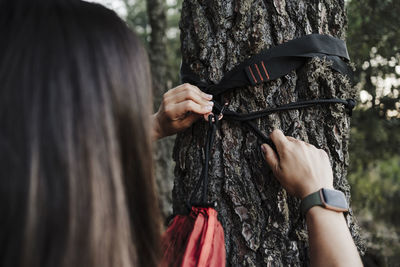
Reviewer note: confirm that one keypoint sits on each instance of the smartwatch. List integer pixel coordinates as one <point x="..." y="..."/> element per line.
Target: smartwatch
<point x="328" y="198"/>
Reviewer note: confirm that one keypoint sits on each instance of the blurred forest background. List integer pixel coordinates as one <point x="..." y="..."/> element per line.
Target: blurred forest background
<point x="373" y="40"/>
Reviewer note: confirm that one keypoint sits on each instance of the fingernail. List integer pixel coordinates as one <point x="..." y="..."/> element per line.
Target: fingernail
<point x="264" y="149"/>
<point x="208" y="108"/>
<point x="209" y="97"/>
<point x="210" y="103"/>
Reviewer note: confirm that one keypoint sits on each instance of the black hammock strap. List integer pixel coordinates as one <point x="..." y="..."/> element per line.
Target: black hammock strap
<point x="268" y="65"/>
<point x="276" y="62"/>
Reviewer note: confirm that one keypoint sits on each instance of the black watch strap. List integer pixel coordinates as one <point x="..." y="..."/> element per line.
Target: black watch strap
<point x="310" y="201"/>
<point x="328" y="198"/>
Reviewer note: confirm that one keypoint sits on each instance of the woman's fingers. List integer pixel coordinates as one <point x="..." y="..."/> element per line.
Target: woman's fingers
<point x="292" y="139"/>
<point x="280" y="141"/>
<point x="186" y="87"/>
<point x="271" y="158"/>
<point x="191" y="95"/>
<point x="186" y="98"/>
<point x="186" y="106"/>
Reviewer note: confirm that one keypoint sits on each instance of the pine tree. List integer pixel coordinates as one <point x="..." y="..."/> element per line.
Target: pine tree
<point x="262" y="224"/>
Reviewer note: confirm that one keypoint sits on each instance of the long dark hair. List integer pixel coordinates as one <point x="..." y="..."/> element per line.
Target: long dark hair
<point x="76" y="185"/>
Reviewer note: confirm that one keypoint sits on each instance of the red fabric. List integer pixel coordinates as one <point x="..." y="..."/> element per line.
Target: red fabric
<point x="194" y="240"/>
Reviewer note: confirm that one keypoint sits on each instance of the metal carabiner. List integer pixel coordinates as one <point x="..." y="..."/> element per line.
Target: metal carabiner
<point x="221" y="114"/>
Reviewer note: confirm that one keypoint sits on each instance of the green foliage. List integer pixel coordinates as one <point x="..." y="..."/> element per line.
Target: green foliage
<point x="173" y="42"/>
<point x="374" y="41"/>
<point x="374" y="44"/>
<point x="376" y="192"/>
<point x="137" y="19"/>
<point x="373" y="137"/>
<point x="376" y="187"/>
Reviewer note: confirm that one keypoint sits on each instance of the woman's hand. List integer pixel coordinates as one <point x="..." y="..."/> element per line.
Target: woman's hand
<point x="179" y="109"/>
<point x="301" y="168"/>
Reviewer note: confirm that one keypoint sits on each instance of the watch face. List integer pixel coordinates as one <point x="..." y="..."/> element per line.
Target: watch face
<point x="334" y="199"/>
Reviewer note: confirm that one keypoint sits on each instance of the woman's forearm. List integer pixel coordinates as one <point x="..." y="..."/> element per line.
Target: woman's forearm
<point x="330" y="241"/>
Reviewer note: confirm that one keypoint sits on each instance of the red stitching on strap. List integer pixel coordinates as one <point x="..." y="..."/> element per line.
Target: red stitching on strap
<point x="266" y="72"/>
<point x="259" y="73"/>
<point x="252" y="75"/>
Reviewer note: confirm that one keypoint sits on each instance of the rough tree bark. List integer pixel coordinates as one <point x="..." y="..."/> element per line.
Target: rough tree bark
<point x="156" y="11"/>
<point x="262" y="224"/>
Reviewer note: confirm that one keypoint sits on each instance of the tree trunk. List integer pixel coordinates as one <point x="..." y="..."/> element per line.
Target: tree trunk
<point x="156" y="11"/>
<point x="262" y="224"/>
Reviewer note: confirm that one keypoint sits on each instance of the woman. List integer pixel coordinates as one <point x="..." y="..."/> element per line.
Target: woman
<point x="76" y="164"/>
<point x="76" y="183"/>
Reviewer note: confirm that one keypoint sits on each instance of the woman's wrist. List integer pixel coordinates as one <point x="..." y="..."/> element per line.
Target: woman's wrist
<point x="156" y="128"/>
<point x="308" y="190"/>
<point x="317" y="212"/>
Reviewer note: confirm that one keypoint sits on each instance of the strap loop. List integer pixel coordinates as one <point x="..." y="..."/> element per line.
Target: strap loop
<point x="280" y="60"/>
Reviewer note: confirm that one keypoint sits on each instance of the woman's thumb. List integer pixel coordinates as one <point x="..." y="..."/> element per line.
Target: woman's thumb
<point x="270" y="157"/>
